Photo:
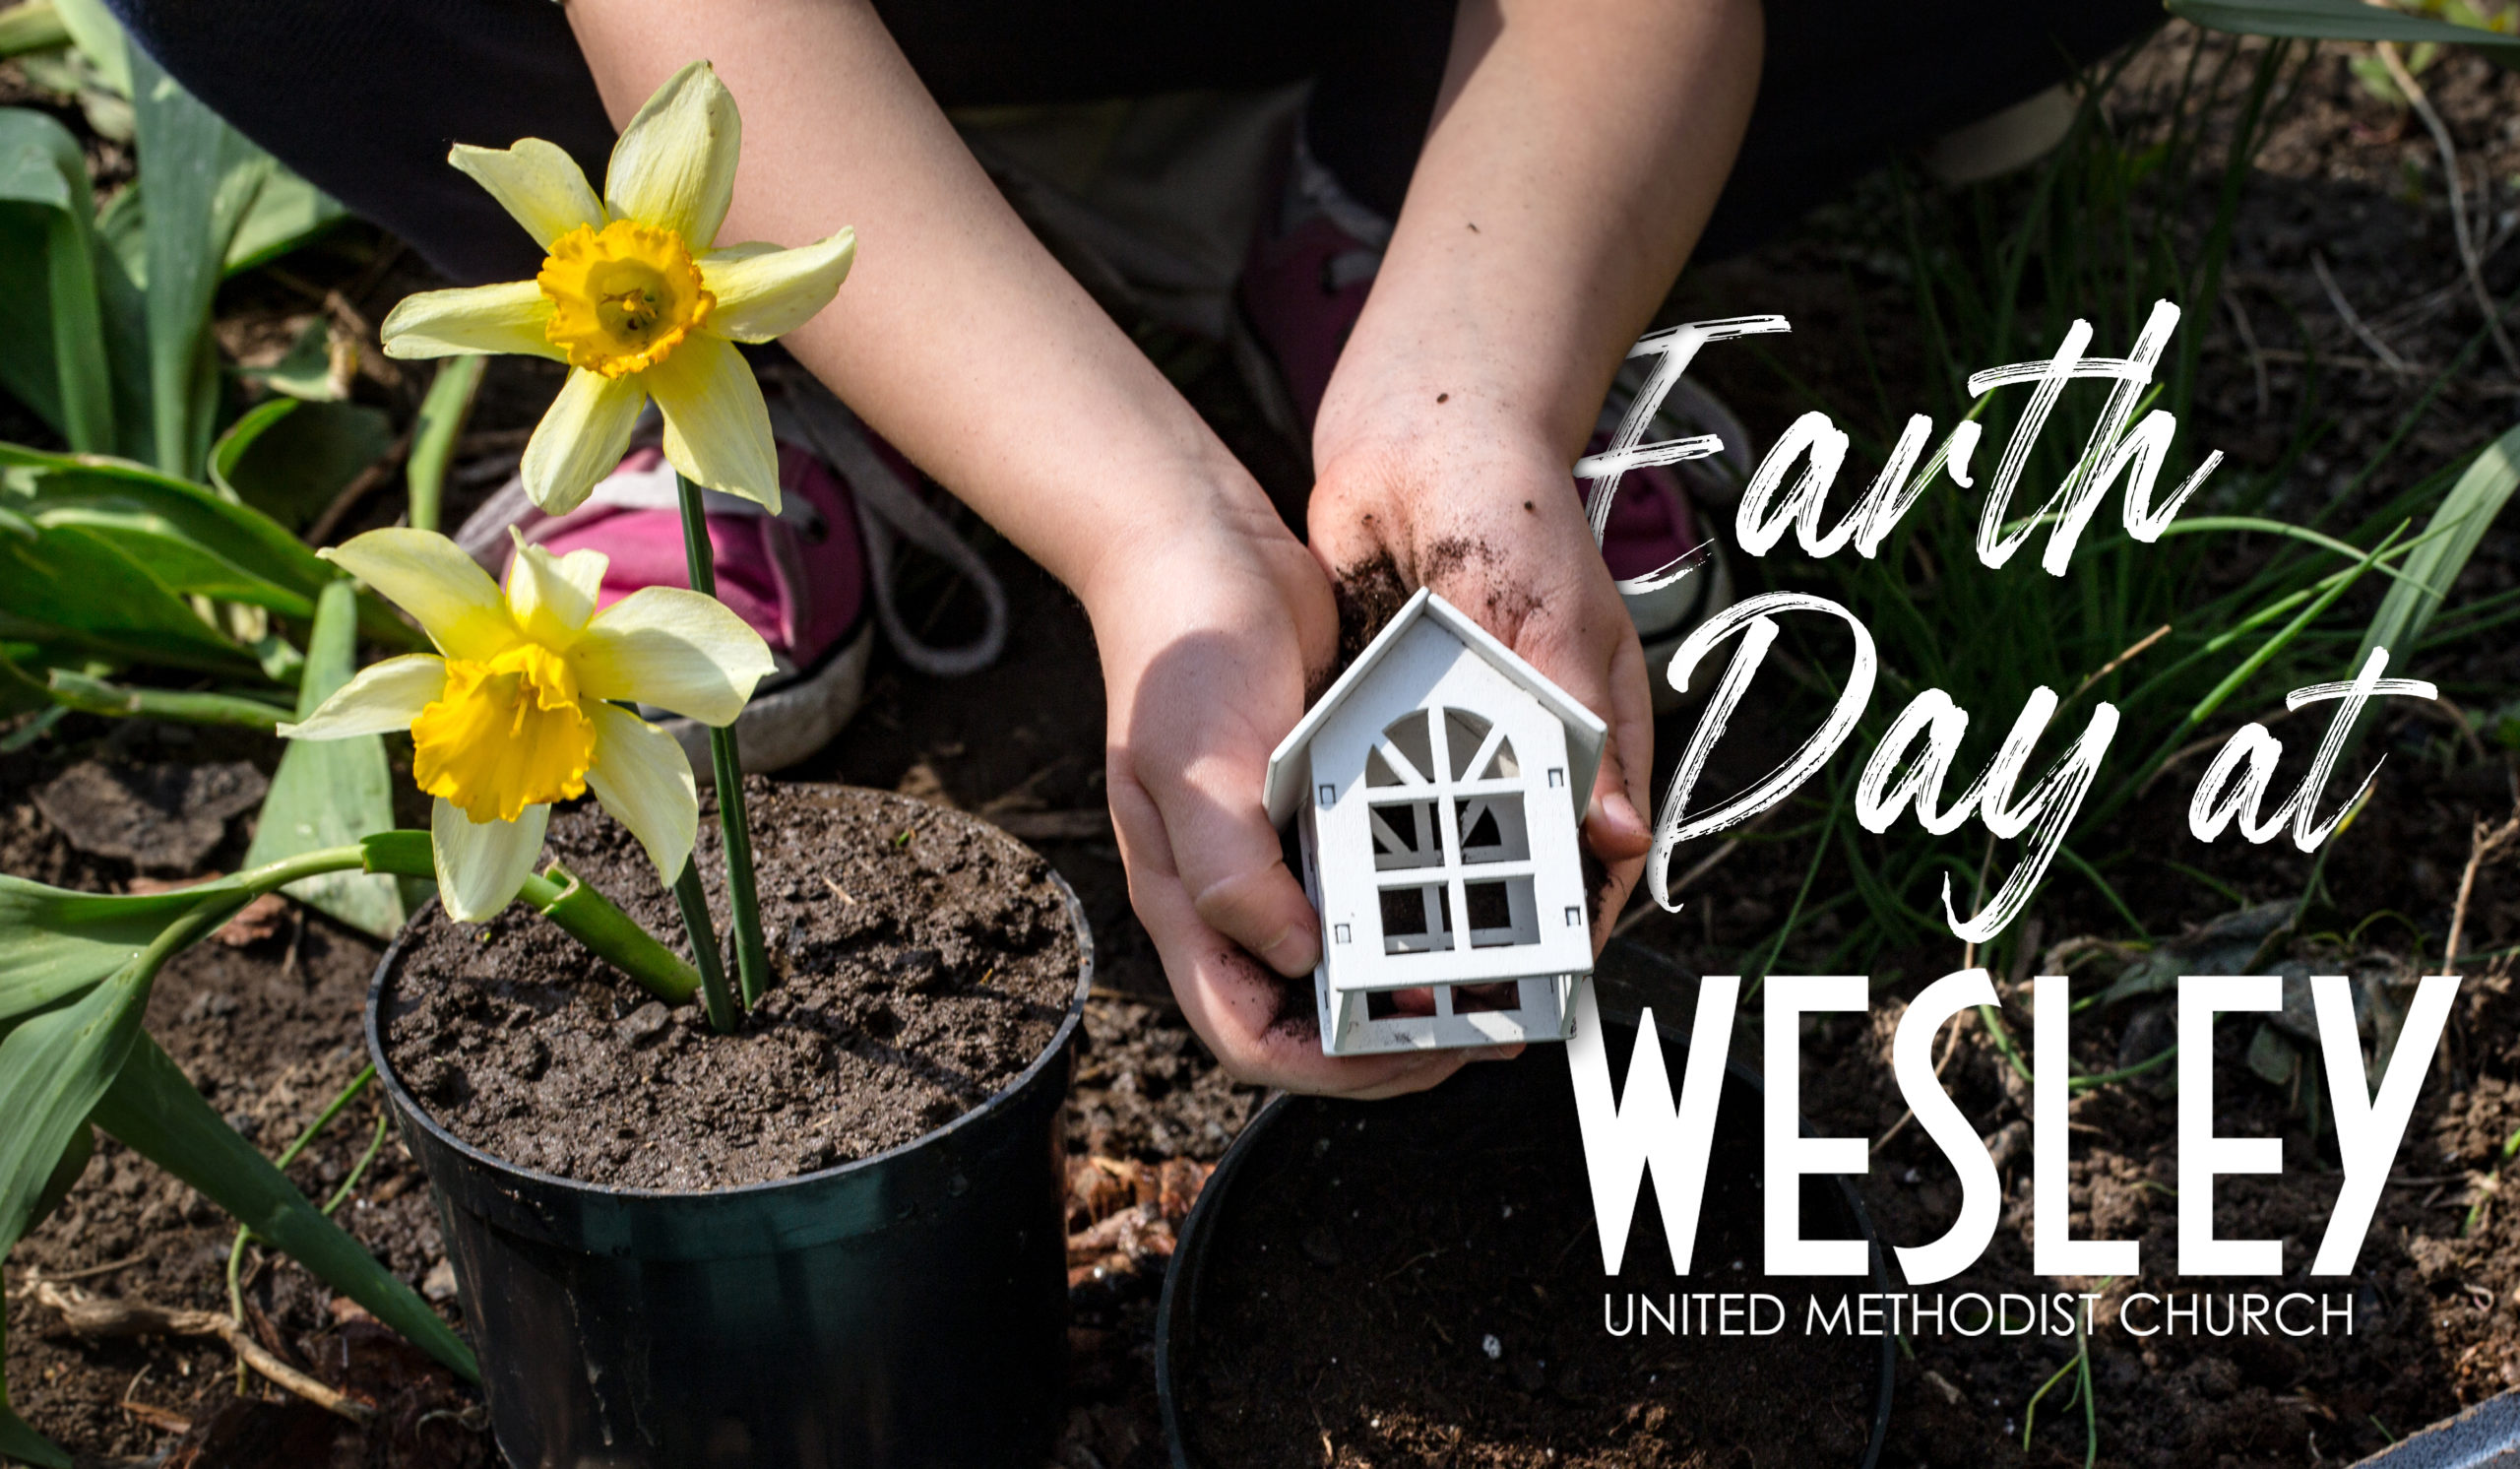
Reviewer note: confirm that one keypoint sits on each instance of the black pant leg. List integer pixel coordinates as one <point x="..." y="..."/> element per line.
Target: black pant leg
<point x="1847" y="86"/>
<point x="364" y="97"/>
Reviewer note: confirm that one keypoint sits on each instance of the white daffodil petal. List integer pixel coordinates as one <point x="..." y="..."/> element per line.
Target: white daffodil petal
<point x="383" y="699"/>
<point x="644" y="779"/>
<point x="676" y="163"/>
<point x="675" y="649"/>
<point x="536" y="182"/>
<point x="505" y="318"/>
<point x="552" y="596"/>
<point x="769" y="293"/>
<point x="430" y="577"/>
<point x="716" y="425"/>
<point x="582" y="437"/>
<point x="481" y="864"/>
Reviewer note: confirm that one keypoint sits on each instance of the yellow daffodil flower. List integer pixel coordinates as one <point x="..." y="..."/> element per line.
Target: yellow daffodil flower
<point x="520" y="706"/>
<point x="636" y="298"/>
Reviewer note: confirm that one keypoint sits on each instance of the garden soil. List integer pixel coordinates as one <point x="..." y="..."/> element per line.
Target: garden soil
<point x="923" y="960"/>
<point x="1421" y="1282"/>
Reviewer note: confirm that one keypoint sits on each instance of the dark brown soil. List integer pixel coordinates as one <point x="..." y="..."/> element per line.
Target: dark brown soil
<point x="269" y="1034"/>
<point x="1339" y="1323"/>
<point x="1368" y="594"/>
<point x="924" y="961"/>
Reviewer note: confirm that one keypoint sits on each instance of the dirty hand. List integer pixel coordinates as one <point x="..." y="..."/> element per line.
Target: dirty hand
<point x="1490" y="519"/>
<point x="1209" y="641"/>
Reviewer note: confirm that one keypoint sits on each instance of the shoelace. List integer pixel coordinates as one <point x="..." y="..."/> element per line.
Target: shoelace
<point x="890" y="511"/>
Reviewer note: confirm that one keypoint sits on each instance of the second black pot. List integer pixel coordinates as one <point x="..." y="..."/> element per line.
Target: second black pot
<point x="1303" y="1156"/>
<point x="901" y="1311"/>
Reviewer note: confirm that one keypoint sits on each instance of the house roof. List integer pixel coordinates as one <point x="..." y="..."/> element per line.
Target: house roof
<point x="1585" y="732"/>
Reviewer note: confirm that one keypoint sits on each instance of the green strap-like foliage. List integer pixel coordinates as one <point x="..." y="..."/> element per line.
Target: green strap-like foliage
<point x="2344" y="20"/>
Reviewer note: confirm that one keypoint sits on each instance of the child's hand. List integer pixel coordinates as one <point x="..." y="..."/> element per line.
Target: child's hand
<point x="1489" y="517"/>
<point x="1209" y="640"/>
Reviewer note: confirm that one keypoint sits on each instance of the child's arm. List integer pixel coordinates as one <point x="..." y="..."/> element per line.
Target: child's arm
<point x="1576" y="153"/>
<point x="959" y="339"/>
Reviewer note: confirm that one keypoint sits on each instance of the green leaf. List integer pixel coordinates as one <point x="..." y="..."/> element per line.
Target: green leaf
<point x="20" y="690"/>
<point x="331" y="793"/>
<point x="40" y="164"/>
<point x="61" y="942"/>
<point x="27" y="369"/>
<point x="121" y="261"/>
<point x="119" y="230"/>
<point x="54" y="1067"/>
<point x="203" y="178"/>
<point x="178" y="560"/>
<point x="68" y="583"/>
<point x="95" y="32"/>
<point x="126" y="501"/>
<point x="31" y="731"/>
<point x="289" y="459"/>
<point x="2272" y="1057"/>
<point x="65" y="1174"/>
<point x="34" y="26"/>
<point x="305" y="370"/>
<point x="157" y="1113"/>
<point x="107" y="495"/>
<point x="2341" y="19"/>
<point x="288" y="213"/>
<point x="2449" y="538"/>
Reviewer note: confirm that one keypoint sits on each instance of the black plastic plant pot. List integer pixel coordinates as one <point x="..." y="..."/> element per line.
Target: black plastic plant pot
<point x="1419" y="1279"/>
<point x="905" y="1310"/>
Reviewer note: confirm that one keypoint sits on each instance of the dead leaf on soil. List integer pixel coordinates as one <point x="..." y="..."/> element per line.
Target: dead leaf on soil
<point x="163" y="817"/>
<point x="1122" y="1212"/>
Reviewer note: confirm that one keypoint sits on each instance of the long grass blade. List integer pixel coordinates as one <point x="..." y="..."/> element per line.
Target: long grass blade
<point x="2426" y="578"/>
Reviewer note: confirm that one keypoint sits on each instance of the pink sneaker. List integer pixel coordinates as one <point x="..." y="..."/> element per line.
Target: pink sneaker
<point x="1302" y="291"/>
<point x="804" y="578"/>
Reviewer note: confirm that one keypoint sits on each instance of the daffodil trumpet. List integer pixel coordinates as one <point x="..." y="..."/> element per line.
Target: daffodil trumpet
<point x="531" y="700"/>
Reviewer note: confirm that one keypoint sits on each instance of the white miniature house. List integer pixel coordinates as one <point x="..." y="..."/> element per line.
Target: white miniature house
<point x="1437" y="789"/>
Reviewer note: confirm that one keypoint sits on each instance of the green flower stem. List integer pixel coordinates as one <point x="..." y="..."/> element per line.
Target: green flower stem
<point x="97" y="696"/>
<point x="558" y="895"/>
<point x="694" y="903"/>
<point x="752" y="962"/>
<point x="590" y="918"/>
<point x="433" y="436"/>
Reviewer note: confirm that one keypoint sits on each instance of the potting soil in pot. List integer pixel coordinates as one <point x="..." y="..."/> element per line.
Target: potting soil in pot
<point x="922" y="961"/>
<point x="1419" y="1282"/>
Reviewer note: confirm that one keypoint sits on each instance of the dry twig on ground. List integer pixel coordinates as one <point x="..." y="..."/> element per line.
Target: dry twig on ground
<point x="100" y="1317"/>
<point x="2482" y="843"/>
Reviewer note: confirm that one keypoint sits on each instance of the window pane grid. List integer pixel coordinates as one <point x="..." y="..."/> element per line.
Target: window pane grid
<point x="1436" y="769"/>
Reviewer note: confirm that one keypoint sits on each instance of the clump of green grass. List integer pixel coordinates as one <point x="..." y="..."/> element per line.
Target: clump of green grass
<point x="2221" y="616"/>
